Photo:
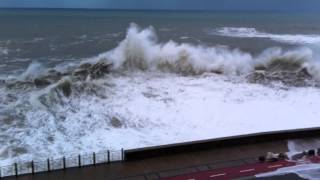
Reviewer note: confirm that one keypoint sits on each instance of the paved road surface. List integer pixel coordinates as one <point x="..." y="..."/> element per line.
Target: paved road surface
<point x="235" y="172"/>
<point x="248" y="170"/>
<point x="167" y="166"/>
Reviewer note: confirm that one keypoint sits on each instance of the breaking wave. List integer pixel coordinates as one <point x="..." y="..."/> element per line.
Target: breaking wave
<point x="87" y="105"/>
<point x="141" y="50"/>
<point x="243" y="32"/>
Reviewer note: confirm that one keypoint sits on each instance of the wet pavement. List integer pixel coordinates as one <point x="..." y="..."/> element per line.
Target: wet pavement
<point x="167" y="166"/>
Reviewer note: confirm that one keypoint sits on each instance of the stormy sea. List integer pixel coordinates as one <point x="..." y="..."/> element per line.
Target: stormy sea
<point x="78" y="81"/>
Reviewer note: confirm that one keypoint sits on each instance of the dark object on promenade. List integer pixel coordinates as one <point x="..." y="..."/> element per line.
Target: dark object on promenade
<point x="262" y="158"/>
<point x="282" y="156"/>
<point x="311" y="152"/>
<point x="299" y="156"/>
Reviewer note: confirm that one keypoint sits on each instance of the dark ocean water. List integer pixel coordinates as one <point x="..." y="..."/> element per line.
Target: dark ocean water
<point x="55" y="36"/>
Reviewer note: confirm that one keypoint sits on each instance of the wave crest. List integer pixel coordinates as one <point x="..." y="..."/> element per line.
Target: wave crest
<point x="141" y="50"/>
<point x="244" y="32"/>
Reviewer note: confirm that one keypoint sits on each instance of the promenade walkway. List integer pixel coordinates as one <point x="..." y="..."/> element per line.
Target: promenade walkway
<point x="166" y="166"/>
<point x="201" y="159"/>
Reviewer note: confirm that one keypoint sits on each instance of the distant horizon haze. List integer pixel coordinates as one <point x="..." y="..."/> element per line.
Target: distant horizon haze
<point x="250" y="5"/>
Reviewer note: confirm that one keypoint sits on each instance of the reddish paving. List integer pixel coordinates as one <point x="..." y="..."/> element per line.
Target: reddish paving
<point x="240" y="171"/>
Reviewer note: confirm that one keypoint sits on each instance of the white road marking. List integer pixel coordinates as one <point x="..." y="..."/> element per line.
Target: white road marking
<point x="274" y="166"/>
<point x="247" y="170"/>
<point x="216" y="175"/>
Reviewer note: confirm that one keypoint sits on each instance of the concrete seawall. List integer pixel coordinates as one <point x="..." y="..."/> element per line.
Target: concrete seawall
<point x="155" y="151"/>
<point x="177" y="159"/>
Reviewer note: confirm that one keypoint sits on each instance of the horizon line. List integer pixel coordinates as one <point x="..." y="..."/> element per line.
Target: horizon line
<point x="137" y="9"/>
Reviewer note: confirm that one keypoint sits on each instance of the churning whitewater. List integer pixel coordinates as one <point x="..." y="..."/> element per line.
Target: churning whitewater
<point x="145" y="92"/>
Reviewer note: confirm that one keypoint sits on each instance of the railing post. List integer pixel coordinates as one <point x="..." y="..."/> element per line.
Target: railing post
<point x="32" y="167"/>
<point x="94" y="158"/>
<point x="122" y="154"/>
<point x="16" y="169"/>
<point x="79" y="160"/>
<point x="48" y="165"/>
<point x="64" y="163"/>
<point x="108" y="155"/>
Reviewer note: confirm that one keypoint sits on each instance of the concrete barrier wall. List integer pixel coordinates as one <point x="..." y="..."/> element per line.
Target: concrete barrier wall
<point x="149" y="152"/>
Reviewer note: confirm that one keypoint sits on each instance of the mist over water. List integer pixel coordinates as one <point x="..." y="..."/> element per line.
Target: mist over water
<point x="108" y="80"/>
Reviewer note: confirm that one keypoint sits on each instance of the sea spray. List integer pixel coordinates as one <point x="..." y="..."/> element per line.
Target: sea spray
<point x="140" y="50"/>
<point x="140" y="93"/>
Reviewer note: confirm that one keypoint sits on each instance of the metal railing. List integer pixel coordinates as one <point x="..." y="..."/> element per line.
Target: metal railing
<point x="62" y="163"/>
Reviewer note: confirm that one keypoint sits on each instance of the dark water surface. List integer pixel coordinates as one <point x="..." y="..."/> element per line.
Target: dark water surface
<point x="55" y="36"/>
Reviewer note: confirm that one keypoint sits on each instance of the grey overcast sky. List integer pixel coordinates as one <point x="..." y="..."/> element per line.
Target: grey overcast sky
<point x="278" y="5"/>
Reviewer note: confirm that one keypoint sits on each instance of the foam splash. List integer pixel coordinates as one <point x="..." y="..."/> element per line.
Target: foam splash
<point x="244" y="32"/>
<point x="141" y="50"/>
<point x="143" y="109"/>
<point x="305" y="171"/>
<point x="134" y="96"/>
<point x="33" y="71"/>
<point x="300" y="145"/>
<point x="4" y="51"/>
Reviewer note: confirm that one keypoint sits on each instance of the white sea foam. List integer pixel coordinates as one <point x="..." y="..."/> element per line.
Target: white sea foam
<point x="154" y="106"/>
<point x="141" y="50"/>
<point x="300" y="145"/>
<point x="244" y="32"/>
<point x="4" y="51"/>
<point x="34" y="70"/>
<point x="305" y="171"/>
